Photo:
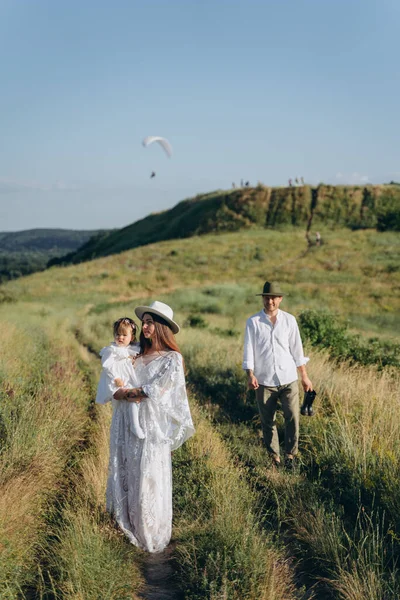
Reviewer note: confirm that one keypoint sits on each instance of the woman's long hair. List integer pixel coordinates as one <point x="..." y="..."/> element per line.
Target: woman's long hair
<point x="162" y="339"/>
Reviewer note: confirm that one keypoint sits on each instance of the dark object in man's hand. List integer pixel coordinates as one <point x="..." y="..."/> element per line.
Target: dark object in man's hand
<point x="306" y="408"/>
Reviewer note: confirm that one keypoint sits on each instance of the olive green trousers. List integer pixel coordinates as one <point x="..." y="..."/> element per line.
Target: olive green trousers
<point x="267" y="400"/>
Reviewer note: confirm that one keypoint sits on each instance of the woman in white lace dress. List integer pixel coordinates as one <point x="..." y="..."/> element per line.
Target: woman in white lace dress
<point x="139" y="488"/>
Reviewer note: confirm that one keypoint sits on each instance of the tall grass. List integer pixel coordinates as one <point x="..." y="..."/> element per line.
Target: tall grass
<point x="222" y="552"/>
<point x="50" y="478"/>
<point x="41" y="426"/>
<point x="355" y="440"/>
<point x="87" y="557"/>
<point x="339" y="516"/>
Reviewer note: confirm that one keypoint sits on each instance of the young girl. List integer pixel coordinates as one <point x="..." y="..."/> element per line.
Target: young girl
<point x="116" y="360"/>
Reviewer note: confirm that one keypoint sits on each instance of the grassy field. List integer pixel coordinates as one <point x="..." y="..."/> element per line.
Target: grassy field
<point x="355" y="274"/>
<point x="330" y="530"/>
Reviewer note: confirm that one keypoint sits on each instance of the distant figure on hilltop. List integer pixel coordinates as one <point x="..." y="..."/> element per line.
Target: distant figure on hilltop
<point x="233" y="185"/>
<point x="290" y="182"/>
<point x="241" y="183"/>
<point x="297" y="181"/>
<point x="247" y="184"/>
<point x="302" y="180"/>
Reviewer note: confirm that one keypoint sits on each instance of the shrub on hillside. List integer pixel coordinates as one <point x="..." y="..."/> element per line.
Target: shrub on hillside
<point x="196" y="321"/>
<point x="388" y="212"/>
<point x="6" y="296"/>
<point x="324" y="329"/>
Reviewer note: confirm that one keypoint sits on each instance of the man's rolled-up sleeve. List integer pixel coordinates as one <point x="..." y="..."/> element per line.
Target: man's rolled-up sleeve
<point x="296" y="346"/>
<point x="248" y="354"/>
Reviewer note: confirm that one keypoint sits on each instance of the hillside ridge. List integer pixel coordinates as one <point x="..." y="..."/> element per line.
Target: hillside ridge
<point x="221" y="211"/>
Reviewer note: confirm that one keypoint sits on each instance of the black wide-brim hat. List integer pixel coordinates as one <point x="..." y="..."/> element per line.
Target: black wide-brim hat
<point x="271" y="288"/>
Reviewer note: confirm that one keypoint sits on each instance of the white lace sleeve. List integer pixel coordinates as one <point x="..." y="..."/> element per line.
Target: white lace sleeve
<point x="166" y="391"/>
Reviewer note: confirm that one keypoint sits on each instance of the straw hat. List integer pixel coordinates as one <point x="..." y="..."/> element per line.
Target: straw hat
<point x="271" y="288"/>
<point x="160" y="309"/>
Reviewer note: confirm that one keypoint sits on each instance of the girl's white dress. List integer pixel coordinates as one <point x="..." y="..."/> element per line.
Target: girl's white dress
<point x="117" y="363"/>
<point x="139" y="488"/>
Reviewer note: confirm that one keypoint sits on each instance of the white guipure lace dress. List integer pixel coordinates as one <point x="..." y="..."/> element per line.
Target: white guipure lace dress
<point x="139" y="488"/>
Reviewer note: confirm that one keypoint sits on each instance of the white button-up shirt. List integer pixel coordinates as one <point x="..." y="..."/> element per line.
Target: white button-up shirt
<point x="273" y="351"/>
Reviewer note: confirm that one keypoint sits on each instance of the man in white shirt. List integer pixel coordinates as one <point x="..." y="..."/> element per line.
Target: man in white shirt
<point x="273" y="352"/>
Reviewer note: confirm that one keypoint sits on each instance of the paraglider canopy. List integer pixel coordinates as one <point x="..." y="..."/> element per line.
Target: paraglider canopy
<point x="162" y="141"/>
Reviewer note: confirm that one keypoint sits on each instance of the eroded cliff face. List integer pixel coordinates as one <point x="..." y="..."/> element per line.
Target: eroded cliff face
<point x="349" y="206"/>
<point x="340" y="205"/>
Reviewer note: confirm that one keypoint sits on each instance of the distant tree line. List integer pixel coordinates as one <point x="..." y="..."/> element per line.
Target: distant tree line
<point x="18" y="264"/>
<point x="25" y="252"/>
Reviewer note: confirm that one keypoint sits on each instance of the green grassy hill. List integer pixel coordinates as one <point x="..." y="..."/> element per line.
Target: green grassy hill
<point x="233" y="210"/>
<point x="353" y="273"/>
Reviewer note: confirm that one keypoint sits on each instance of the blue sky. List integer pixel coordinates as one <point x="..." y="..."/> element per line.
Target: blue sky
<point x="260" y="90"/>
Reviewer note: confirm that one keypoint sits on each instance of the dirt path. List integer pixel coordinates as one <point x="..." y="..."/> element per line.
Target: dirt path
<point x="159" y="574"/>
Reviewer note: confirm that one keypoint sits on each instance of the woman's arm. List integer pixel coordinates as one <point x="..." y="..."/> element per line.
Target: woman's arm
<point x="130" y="394"/>
<point x="136" y="395"/>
